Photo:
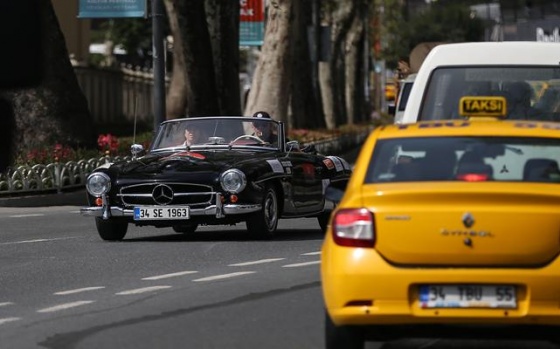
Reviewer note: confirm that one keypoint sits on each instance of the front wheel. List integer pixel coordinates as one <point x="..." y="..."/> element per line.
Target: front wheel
<point x="111" y="229"/>
<point x="263" y="224"/>
<point x="323" y="220"/>
<point x="342" y="337"/>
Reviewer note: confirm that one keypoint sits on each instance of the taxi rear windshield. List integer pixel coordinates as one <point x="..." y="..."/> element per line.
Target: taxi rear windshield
<point x="532" y="93"/>
<point x="507" y="159"/>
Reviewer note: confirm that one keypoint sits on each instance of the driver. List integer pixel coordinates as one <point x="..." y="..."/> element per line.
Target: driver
<point x="264" y="129"/>
<point x="192" y="135"/>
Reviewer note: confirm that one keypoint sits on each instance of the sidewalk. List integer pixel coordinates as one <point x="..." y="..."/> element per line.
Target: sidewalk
<point x="78" y="197"/>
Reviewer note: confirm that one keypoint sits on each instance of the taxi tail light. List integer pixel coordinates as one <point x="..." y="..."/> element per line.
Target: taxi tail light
<point x="353" y="228"/>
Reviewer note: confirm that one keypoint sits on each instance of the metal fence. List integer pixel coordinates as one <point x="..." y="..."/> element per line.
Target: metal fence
<point x="53" y="177"/>
<point x="116" y="95"/>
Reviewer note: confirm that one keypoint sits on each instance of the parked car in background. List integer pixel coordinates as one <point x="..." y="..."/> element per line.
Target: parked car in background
<point x="404" y="92"/>
<point x="514" y="70"/>
<point x="450" y="222"/>
<point x="226" y="173"/>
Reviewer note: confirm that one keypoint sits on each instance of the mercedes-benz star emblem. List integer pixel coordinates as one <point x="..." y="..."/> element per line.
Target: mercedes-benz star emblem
<point x="468" y="220"/>
<point x="162" y="194"/>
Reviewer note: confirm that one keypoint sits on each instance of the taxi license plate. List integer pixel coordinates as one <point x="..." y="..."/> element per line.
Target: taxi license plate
<point x="161" y="213"/>
<point x="468" y="296"/>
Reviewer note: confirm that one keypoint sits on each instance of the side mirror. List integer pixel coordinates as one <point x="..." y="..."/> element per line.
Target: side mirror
<point x="136" y="149"/>
<point x="309" y="149"/>
<point x="292" y="146"/>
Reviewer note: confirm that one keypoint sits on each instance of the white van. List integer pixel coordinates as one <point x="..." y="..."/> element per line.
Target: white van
<point x="404" y="92"/>
<point x="525" y="73"/>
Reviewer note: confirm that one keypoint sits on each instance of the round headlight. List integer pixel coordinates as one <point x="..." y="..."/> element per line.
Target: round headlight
<point x="233" y="181"/>
<point x="98" y="183"/>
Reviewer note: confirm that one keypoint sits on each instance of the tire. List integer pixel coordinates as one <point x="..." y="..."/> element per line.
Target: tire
<point x="263" y="224"/>
<point x="323" y="220"/>
<point x="187" y="228"/>
<point x="342" y="337"/>
<point x="111" y="229"/>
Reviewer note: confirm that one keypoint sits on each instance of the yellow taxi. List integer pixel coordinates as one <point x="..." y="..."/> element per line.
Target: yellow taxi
<point x="449" y="222"/>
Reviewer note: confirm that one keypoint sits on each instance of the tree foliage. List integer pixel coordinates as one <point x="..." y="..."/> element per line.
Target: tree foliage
<point x="448" y="21"/>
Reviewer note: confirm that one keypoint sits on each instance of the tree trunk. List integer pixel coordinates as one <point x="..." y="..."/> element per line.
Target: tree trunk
<point x="223" y="26"/>
<point x="325" y="81"/>
<point x="202" y="97"/>
<point x="354" y="91"/>
<point x="53" y="109"/>
<point x="176" y="100"/>
<point x="307" y="111"/>
<point x="343" y="19"/>
<point x="269" y="90"/>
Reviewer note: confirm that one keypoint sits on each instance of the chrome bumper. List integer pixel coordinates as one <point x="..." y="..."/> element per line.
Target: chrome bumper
<point x="219" y="211"/>
<point x="207" y="211"/>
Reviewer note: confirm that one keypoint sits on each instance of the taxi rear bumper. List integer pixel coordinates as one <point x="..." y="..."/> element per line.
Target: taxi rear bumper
<point x="361" y="288"/>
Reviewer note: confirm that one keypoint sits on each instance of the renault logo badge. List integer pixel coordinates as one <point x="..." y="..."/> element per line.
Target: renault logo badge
<point x="162" y="194"/>
<point x="468" y="220"/>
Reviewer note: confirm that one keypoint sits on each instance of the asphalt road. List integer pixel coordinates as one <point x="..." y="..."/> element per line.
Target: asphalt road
<point x="63" y="287"/>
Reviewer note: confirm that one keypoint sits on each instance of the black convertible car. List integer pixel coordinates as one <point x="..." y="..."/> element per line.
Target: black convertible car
<point x="213" y="171"/>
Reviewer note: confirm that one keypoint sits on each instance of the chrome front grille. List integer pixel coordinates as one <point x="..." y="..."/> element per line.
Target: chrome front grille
<point x="183" y="194"/>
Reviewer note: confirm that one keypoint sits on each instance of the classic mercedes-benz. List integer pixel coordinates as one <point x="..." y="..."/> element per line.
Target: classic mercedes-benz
<point x="213" y="171"/>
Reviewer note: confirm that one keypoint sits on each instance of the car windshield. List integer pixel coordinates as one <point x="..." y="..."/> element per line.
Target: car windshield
<point x="519" y="159"/>
<point x="218" y="132"/>
<point x="532" y="93"/>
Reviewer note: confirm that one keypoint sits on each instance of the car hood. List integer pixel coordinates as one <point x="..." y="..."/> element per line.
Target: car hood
<point x="179" y="164"/>
<point x="487" y="224"/>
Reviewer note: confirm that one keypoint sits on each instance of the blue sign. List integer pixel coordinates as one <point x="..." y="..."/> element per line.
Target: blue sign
<point x="112" y="8"/>
<point x="251" y="33"/>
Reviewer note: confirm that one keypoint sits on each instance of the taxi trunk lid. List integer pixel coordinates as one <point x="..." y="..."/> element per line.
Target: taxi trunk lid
<point x="490" y="224"/>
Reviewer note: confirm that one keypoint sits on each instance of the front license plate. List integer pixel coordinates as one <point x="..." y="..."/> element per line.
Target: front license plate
<point x="468" y="296"/>
<point x="161" y="213"/>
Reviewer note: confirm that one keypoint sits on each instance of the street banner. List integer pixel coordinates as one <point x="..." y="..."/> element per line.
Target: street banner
<point x="251" y="22"/>
<point x="112" y="8"/>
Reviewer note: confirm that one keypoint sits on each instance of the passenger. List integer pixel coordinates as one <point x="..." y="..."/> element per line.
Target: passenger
<point x="192" y="135"/>
<point x="518" y="96"/>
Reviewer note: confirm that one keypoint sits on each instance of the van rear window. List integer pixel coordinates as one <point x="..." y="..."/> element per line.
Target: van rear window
<point x="532" y="93"/>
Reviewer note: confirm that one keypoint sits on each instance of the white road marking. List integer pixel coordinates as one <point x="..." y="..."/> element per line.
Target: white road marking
<point x="36" y="240"/>
<point x="256" y="262"/>
<point x="78" y="290"/>
<point x="300" y="264"/>
<point x="165" y="276"/>
<point x="9" y="319"/>
<point x="74" y="212"/>
<point x="311" y="253"/>
<point x="142" y="290"/>
<point x="3" y="304"/>
<point x="27" y="215"/>
<point x="64" y="306"/>
<point x="224" y="276"/>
